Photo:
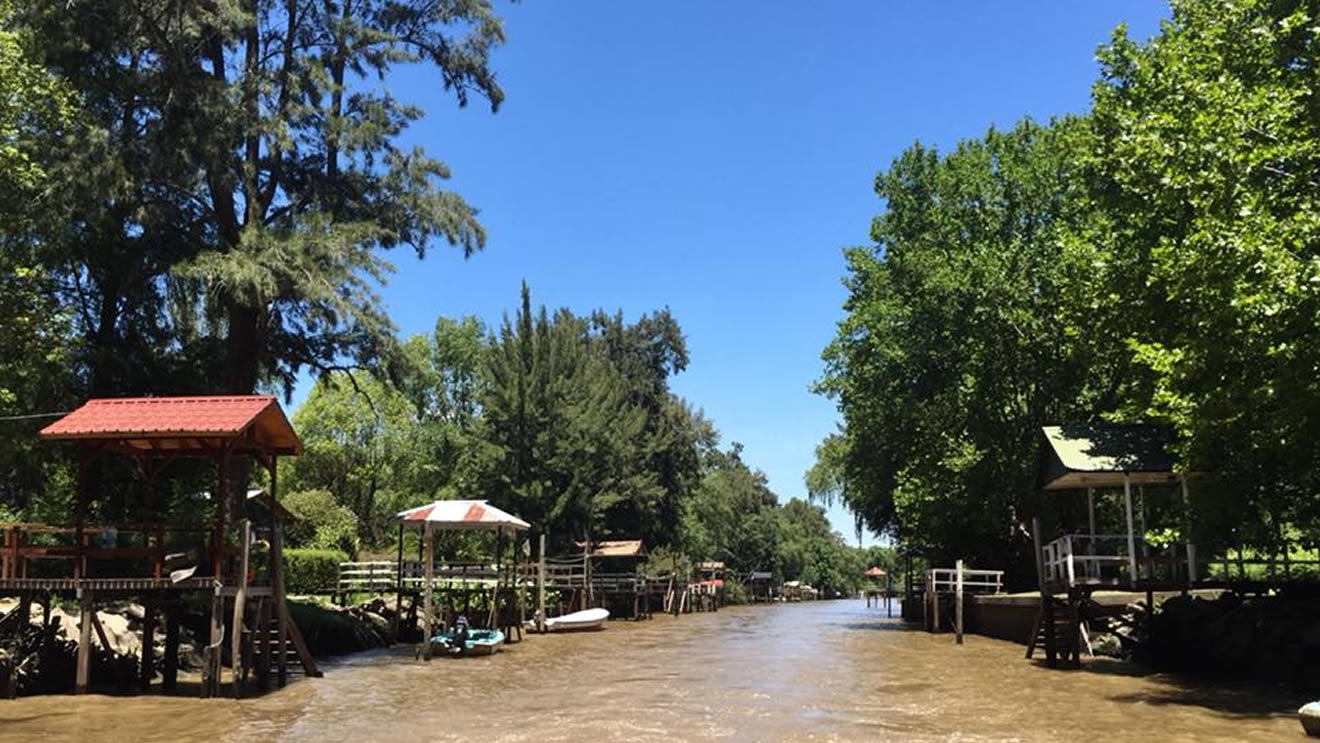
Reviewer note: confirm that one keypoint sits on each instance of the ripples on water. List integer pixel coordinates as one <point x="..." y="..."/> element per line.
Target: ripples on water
<point x="812" y="671"/>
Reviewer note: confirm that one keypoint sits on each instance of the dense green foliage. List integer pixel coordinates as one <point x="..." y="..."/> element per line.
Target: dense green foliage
<point x="1155" y="260"/>
<point x="233" y="176"/>
<point x="311" y="570"/>
<point x="565" y="420"/>
<point x="320" y="522"/>
<point x="198" y="197"/>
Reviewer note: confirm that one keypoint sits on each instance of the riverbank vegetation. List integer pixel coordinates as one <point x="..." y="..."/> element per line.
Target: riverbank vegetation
<point x="564" y="419"/>
<point x="202" y="198"/>
<point x="1156" y="259"/>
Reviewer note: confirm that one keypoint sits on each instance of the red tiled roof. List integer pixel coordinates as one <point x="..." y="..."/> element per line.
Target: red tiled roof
<point x="129" y="419"/>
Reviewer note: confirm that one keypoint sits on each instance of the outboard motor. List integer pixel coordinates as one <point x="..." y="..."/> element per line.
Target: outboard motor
<point x="460" y="634"/>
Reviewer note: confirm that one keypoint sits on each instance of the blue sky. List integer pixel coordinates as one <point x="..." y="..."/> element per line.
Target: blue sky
<point x="715" y="158"/>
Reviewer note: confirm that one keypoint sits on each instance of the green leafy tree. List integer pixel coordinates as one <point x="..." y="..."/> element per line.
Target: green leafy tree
<point x="963" y="335"/>
<point x="38" y="111"/>
<point x="361" y="442"/>
<point x="556" y="438"/>
<point x="321" y="523"/>
<point x="244" y="176"/>
<point x="1205" y="160"/>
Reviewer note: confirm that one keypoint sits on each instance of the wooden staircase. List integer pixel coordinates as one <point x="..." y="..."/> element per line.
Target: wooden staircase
<point x="1060" y="629"/>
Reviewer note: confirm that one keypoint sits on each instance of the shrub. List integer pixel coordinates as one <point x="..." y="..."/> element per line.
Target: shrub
<point x="311" y="570"/>
<point x="322" y="523"/>
<point x="734" y="592"/>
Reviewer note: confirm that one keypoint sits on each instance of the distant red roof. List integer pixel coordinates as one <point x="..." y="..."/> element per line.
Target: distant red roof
<point x="176" y="423"/>
<point x="617" y="548"/>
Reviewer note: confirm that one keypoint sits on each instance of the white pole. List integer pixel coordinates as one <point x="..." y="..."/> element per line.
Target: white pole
<point x="1131" y="531"/>
<point x="1191" y="548"/>
<point x="958" y="599"/>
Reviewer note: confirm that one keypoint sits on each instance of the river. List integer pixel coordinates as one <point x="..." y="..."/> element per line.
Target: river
<point x="812" y="671"/>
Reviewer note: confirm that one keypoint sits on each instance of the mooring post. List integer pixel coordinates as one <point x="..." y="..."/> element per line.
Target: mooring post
<point x="889" y="595"/>
<point x="958" y="601"/>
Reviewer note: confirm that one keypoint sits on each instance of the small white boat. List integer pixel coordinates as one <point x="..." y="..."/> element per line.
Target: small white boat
<point x="588" y="619"/>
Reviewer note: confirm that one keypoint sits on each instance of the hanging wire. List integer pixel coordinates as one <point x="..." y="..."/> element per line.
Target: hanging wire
<point x="31" y="416"/>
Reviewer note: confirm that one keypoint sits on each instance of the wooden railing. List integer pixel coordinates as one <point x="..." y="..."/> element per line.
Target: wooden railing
<point x="1106" y="559"/>
<point x="31" y="551"/>
<point x="388" y="575"/>
<point x="945" y="580"/>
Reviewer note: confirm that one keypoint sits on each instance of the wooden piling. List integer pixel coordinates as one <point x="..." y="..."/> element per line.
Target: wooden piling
<point x="147" y="664"/>
<point x="240" y="606"/>
<point x="428" y="571"/>
<point x="84" y="641"/>
<point x="211" y="658"/>
<point x="170" y="674"/>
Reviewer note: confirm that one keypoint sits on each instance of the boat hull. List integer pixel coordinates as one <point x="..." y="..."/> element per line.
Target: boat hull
<point x="579" y="621"/>
<point x="479" y="642"/>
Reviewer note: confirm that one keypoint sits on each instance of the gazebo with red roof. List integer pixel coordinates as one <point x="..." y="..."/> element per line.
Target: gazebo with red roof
<point x="154" y="432"/>
<point x="455" y="515"/>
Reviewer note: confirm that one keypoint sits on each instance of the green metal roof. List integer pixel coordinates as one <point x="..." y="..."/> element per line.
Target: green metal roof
<point x="1083" y="455"/>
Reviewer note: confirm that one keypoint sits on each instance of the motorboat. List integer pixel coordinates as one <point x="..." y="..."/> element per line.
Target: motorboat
<point x="578" y="621"/>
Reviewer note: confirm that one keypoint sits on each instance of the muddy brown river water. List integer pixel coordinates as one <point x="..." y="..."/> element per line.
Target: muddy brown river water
<point x="814" y="671"/>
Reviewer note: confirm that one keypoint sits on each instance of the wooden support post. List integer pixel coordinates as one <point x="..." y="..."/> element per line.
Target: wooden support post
<point x="217" y="526"/>
<point x="84" y="641"/>
<point x="80" y="512"/>
<point x="240" y="606"/>
<point x="263" y="634"/>
<point x="398" y="587"/>
<point x="587" y="597"/>
<point x="1187" y="521"/>
<point x="292" y="632"/>
<point x="958" y="603"/>
<point x="1141" y="529"/>
<point x="170" y="675"/>
<point x="277" y="578"/>
<point x="540" y="584"/>
<point x="1131" y="530"/>
<point x="147" y="664"/>
<point x="1051" y="641"/>
<point x="211" y="657"/>
<point x="428" y="573"/>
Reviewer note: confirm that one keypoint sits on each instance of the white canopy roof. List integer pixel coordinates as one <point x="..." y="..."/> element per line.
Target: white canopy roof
<point x="463" y="514"/>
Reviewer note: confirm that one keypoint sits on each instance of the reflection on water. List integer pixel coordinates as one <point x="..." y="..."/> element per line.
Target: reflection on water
<point x="820" y="671"/>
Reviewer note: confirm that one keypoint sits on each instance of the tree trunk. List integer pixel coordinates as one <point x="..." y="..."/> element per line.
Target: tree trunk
<point x="242" y="349"/>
